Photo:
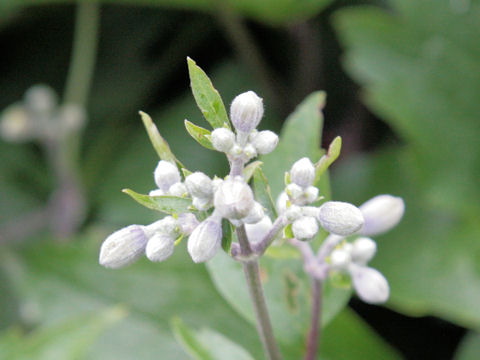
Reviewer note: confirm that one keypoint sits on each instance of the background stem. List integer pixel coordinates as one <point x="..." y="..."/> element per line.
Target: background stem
<point x="313" y="339"/>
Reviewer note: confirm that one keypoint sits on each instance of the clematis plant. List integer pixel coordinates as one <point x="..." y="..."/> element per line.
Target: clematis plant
<point x="235" y="212"/>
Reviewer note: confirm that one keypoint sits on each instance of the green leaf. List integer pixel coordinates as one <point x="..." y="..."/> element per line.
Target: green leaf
<point x="469" y="348"/>
<point x="207" y="344"/>
<point x="200" y="134"/>
<point x="262" y="192"/>
<point x="326" y="160"/>
<point x="249" y="170"/>
<point x="158" y="142"/>
<point x="207" y="97"/>
<point x="167" y="204"/>
<point x="227" y="235"/>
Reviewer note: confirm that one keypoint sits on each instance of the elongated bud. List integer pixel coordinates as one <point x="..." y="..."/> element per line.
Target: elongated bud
<point x="340" y="259"/>
<point x="340" y="218"/>
<point x="199" y="185"/>
<point x="303" y="172"/>
<point x="246" y="111"/>
<point x="234" y="199"/>
<point x="166" y="174"/>
<point x="265" y="141"/>
<point x="178" y="189"/>
<point x="305" y="228"/>
<point x="256" y="232"/>
<point x="205" y="240"/>
<point x="187" y="223"/>
<point x="369" y="284"/>
<point x="160" y="247"/>
<point x="123" y="247"/>
<point x="363" y="250"/>
<point x="223" y="139"/>
<point x="381" y="213"/>
<point x="255" y="214"/>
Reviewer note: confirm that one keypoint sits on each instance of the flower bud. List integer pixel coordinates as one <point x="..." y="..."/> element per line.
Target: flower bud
<point x="201" y="204"/>
<point x="363" y="250"/>
<point x="303" y="172"/>
<point x="156" y="192"/>
<point x="178" y="189"/>
<point x="167" y="226"/>
<point x="293" y="213"/>
<point x="250" y="151"/>
<point x="123" y="247"/>
<point x="246" y="111"/>
<point x="234" y="199"/>
<point x="370" y="285"/>
<point x="205" y="240"/>
<point x="256" y="232"/>
<point x="255" y="214"/>
<point x="160" y="247"/>
<point x="166" y="174"/>
<point x="41" y="100"/>
<point x="381" y="213"/>
<point x="236" y="150"/>
<point x="311" y="194"/>
<point x="15" y="124"/>
<point x="282" y="202"/>
<point x="340" y="259"/>
<point x="340" y="218"/>
<point x="294" y="191"/>
<point x="305" y="228"/>
<point x="265" y="142"/>
<point x="199" y="185"/>
<point x="223" y="139"/>
<point x="187" y="223"/>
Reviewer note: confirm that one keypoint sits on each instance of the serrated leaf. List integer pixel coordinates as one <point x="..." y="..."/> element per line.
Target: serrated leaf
<point x="250" y="169"/>
<point x="167" y="204"/>
<point x="262" y="193"/>
<point x="227" y="235"/>
<point x="207" y="97"/>
<point x="200" y="134"/>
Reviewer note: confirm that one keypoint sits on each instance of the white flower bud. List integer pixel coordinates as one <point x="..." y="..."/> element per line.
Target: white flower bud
<point x="246" y="111"/>
<point x="223" y="139"/>
<point x="340" y="218"/>
<point x="216" y="184"/>
<point x="311" y="194"/>
<point x="156" y="192"/>
<point x="187" y="223"/>
<point x="236" y="150"/>
<point x="282" y="202"/>
<point x="265" y="141"/>
<point x="363" y="250"/>
<point x="15" y="124"/>
<point x="381" y="213"/>
<point x="160" y="247"/>
<point x="166" y="174"/>
<point x="201" y="204"/>
<point x="178" y="189"/>
<point x="293" y="213"/>
<point x="234" y="199"/>
<point x="123" y="247"/>
<point x="199" y="185"/>
<point x="249" y="151"/>
<point x="303" y="172"/>
<point x="340" y="259"/>
<point x="41" y="100"/>
<point x="369" y="284"/>
<point x="305" y="228"/>
<point x="167" y="226"/>
<point x="294" y="191"/>
<point x="255" y="214"/>
<point x="256" y="232"/>
<point x="205" y="240"/>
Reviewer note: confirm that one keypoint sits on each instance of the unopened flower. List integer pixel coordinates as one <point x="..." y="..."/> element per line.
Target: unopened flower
<point x="205" y="240"/>
<point x="156" y="192"/>
<point x="15" y="124"/>
<point x="201" y="203"/>
<point x="187" y="223"/>
<point x="123" y="247"/>
<point x="381" y="213"/>
<point x="294" y="191"/>
<point x="265" y="141"/>
<point x="234" y="199"/>
<point x="178" y="189"/>
<point x="255" y="214"/>
<point x="310" y="194"/>
<point x="305" y="228"/>
<point x="369" y="284"/>
<point x="363" y="249"/>
<point x="303" y="172"/>
<point x="160" y="247"/>
<point x="166" y="174"/>
<point x="222" y="139"/>
<point x="256" y="232"/>
<point x="282" y="201"/>
<point x="246" y="111"/>
<point x="340" y="259"/>
<point x="41" y="100"/>
<point x="340" y="218"/>
<point x="167" y="226"/>
<point x="199" y="185"/>
<point x="249" y="151"/>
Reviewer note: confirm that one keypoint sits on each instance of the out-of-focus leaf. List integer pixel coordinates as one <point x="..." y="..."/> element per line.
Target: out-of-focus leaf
<point x="199" y="134"/>
<point x="167" y="204"/>
<point x="207" y="344"/>
<point x="250" y="169"/>
<point x="469" y="348"/>
<point x="207" y="97"/>
<point x="263" y="193"/>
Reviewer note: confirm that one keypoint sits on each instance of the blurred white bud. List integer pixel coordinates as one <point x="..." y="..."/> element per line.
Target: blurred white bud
<point x="205" y="240"/>
<point x="187" y="223"/>
<point x="256" y="232"/>
<point x="166" y="174"/>
<point x="250" y="151"/>
<point x="265" y="141"/>
<point x="311" y="194"/>
<point x="123" y="247"/>
<point x="293" y="212"/>
<point x="340" y="218"/>
<point x="246" y="111"/>
<point x="255" y="214"/>
<point x="340" y="259"/>
<point x="167" y="226"/>
<point x="201" y="204"/>
<point x="310" y="211"/>
<point x="41" y="100"/>
<point x="282" y="202"/>
<point x="216" y="184"/>
<point x="303" y="172"/>
<point x="363" y="250"/>
<point x="71" y="117"/>
<point x="236" y="150"/>
<point x="156" y="192"/>
<point x="381" y="213"/>
<point x="15" y="124"/>
<point x="294" y="191"/>
<point x="199" y="185"/>
<point x="305" y="228"/>
<point x="223" y="139"/>
<point x="234" y="199"/>
<point x="160" y="247"/>
<point x="369" y="284"/>
<point x="178" y="189"/>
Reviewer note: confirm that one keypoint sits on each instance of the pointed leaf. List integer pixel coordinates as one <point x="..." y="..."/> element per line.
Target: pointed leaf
<point x="250" y="169"/>
<point x="200" y="134"/>
<point x="167" y="204"/>
<point x="262" y="193"/>
<point x="326" y="160"/>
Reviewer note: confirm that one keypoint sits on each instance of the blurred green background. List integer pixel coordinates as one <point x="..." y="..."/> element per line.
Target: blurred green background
<point x="403" y="85"/>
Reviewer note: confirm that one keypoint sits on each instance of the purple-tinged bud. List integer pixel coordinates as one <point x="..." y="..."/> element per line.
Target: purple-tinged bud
<point x="369" y="284"/>
<point x="123" y="247"/>
<point x="234" y="199"/>
<point x="363" y="250"/>
<point x="187" y="223"/>
<point x="166" y="174"/>
<point x="246" y="111"/>
<point x="205" y="240"/>
<point x="303" y="172"/>
<point x="381" y="213"/>
<point x="340" y="218"/>
<point x="223" y="139"/>
<point x="167" y="226"/>
<point x="199" y="185"/>
<point x="256" y="232"/>
<point x="265" y="141"/>
<point x="305" y="228"/>
<point x="160" y="247"/>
